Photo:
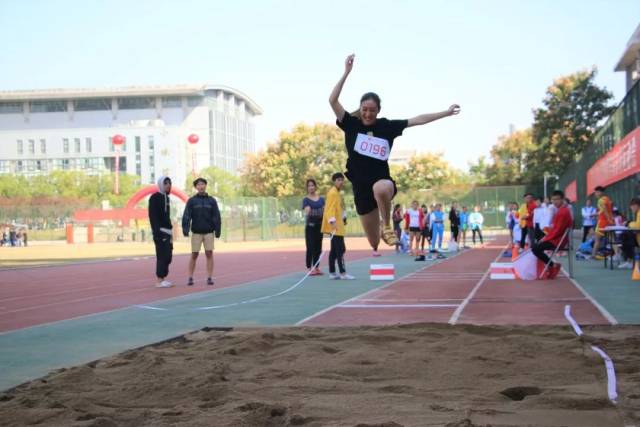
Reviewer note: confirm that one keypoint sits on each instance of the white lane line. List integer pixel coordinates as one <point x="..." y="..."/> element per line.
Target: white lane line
<point x="572" y="321"/>
<point x="600" y="308"/>
<point x="397" y="306"/>
<point x="323" y="311"/>
<point x="456" y="314"/>
<point x="611" y="374"/>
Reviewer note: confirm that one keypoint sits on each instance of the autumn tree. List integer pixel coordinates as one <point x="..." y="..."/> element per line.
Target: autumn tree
<point x="307" y="151"/>
<point x="563" y="127"/>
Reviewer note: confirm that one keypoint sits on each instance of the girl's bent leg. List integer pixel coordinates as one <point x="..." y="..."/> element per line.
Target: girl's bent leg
<point x="371" y="225"/>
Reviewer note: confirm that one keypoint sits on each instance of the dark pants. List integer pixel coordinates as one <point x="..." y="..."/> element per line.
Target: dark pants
<point x="629" y="245"/>
<point x="538" y="234"/>
<point x="313" y="239"/>
<point x="337" y="254"/>
<point x="585" y="232"/>
<point x="473" y="236"/>
<point x="164" y="251"/>
<point x="527" y="232"/>
<point x="523" y="237"/>
<point x="455" y="230"/>
<point x="539" y="248"/>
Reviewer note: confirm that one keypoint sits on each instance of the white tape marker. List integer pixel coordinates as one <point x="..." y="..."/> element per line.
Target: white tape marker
<point x="567" y="314"/>
<point x="611" y="374"/>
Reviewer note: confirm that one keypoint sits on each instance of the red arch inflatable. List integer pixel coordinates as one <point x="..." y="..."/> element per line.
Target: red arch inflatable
<point x="149" y="190"/>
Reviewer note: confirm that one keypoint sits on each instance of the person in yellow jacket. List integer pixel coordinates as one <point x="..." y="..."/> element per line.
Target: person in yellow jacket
<point x="630" y="240"/>
<point x="333" y="221"/>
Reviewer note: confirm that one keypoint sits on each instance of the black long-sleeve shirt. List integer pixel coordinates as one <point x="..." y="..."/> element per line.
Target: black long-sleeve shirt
<point x="159" y="214"/>
<point x="202" y="214"/>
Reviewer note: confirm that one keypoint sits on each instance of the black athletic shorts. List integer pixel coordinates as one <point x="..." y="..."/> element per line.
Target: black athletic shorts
<point x="414" y="229"/>
<point x="363" y="196"/>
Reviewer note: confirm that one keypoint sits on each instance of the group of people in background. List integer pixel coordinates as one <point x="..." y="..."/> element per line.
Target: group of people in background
<point x="14" y="236"/>
<point x="426" y="225"/>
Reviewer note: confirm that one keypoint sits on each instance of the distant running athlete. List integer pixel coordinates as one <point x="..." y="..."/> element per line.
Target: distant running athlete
<point x="369" y="141"/>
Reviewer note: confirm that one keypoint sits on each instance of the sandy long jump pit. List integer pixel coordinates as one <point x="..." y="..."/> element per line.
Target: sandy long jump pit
<point x="411" y="375"/>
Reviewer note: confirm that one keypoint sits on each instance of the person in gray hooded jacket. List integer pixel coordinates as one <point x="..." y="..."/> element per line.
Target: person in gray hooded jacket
<point x="160" y="219"/>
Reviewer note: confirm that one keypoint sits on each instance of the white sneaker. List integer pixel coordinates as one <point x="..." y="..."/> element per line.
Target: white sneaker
<point x="334" y="276"/>
<point x="626" y="265"/>
<point x="346" y="276"/>
<point x="164" y="284"/>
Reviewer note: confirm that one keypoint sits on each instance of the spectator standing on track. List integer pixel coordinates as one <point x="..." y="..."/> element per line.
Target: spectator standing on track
<point x="631" y="241"/>
<point x="464" y="225"/>
<point x="333" y="223"/>
<point x="526" y="219"/>
<point x="476" y="219"/>
<point x="562" y="222"/>
<point x="160" y="219"/>
<point x="202" y="216"/>
<point x="511" y="219"/>
<point x="425" y="235"/>
<point x="313" y="207"/>
<point x="397" y="218"/>
<point x="413" y="224"/>
<point x="589" y="215"/>
<point x="437" y="228"/>
<point x="454" y="222"/>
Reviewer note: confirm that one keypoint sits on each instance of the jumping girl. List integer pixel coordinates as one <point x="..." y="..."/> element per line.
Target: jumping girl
<point x="369" y="140"/>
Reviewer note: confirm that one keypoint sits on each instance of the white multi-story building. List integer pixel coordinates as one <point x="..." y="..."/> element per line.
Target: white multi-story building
<point x="72" y="129"/>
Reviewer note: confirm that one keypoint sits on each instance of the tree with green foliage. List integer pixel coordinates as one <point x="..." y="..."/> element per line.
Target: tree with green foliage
<point x="220" y="183"/>
<point x="307" y="151"/>
<point x="509" y="157"/>
<point x="572" y="109"/>
<point x="425" y="171"/>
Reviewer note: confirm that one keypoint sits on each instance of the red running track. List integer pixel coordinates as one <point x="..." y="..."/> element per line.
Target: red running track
<point x="458" y="290"/>
<point x="34" y="296"/>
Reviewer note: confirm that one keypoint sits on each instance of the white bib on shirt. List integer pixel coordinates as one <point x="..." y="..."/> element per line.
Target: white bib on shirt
<point x="370" y="146"/>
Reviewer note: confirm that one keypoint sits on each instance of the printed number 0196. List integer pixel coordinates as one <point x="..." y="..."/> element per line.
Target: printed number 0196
<point x="373" y="148"/>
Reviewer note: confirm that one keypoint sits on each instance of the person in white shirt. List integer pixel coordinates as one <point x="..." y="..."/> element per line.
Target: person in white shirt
<point x="589" y="215"/>
<point x="413" y="223"/>
<point x="475" y="223"/>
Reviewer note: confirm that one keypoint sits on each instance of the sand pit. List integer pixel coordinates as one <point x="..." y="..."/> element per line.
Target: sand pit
<point x="415" y="375"/>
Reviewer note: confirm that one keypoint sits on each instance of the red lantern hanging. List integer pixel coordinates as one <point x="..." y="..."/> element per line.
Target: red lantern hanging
<point x="118" y="140"/>
<point x="193" y="138"/>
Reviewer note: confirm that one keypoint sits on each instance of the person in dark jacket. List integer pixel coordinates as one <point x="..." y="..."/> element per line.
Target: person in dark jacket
<point x="454" y="222"/>
<point x="203" y="215"/>
<point x="160" y="219"/>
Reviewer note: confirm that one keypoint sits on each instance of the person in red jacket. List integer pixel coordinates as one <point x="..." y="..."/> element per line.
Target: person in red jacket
<point x="562" y="221"/>
<point x="413" y="223"/>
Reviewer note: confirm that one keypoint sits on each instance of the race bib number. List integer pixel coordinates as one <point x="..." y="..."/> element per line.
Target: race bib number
<point x="373" y="147"/>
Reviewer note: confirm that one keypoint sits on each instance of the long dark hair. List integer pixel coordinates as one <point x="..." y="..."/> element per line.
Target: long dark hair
<point x="310" y="180"/>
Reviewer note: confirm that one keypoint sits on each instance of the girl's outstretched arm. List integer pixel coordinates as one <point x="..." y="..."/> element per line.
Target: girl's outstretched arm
<point x="338" y="109"/>
<point x="423" y="119"/>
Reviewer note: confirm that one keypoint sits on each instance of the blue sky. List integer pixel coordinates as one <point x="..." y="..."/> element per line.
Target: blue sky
<point x="494" y="58"/>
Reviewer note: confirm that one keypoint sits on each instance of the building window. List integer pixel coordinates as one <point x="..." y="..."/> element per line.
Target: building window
<point x="39" y="165"/>
<point x="65" y="145"/>
<point x="47" y="106"/>
<point x="138" y="157"/>
<point x="20" y="147"/>
<point x="194" y="101"/>
<point x="136" y="103"/>
<point x="32" y="146"/>
<point x="171" y="102"/>
<point x="76" y="143"/>
<point x="10" y="107"/>
<point x="152" y="159"/>
<point x="19" y="166"/>
<point x="43" y="146"/>
<point x="87" y="145"/>
<point x="96" y="104"/>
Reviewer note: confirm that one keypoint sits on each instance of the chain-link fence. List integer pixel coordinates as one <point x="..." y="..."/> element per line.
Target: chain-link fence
<point x="250" y="218"/>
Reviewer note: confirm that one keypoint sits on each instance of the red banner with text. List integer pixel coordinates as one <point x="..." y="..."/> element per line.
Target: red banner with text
<point x="620" y="162"/>
<point x="571" y="191"/>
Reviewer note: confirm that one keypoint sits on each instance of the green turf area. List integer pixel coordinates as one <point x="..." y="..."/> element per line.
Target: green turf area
<point x="33" y="352"/>
<point x="613" y="289"/>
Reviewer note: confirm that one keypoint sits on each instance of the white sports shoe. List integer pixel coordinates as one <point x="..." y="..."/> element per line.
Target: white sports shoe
<point x="164" y="284"/>
<point x="334" y="276"/>
<point x="346" y="276"/>
<point x="626" y="265"/>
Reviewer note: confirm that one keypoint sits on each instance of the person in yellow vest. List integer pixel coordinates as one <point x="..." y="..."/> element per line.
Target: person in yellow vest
<point x="605" y="217"/>
<point x="630" y="240"/>
<point x="333" y="221"/>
